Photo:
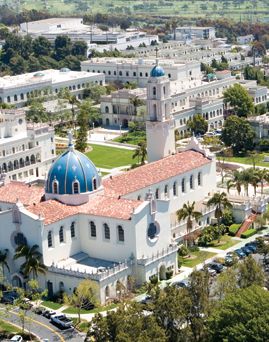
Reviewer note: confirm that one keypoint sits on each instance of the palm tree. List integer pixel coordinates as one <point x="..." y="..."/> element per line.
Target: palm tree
<point x="221" y="202"/>
<point x="246" y="178"/>
<point x="174" y="24"/>
<point x="263" y="176"/>
<point x="3" y="262"/>
<point x="141" y="152"/>
<point x="188" y="212"/>
<point x="136" y="102"/>
<point x="236" y="181"/>
<point x="72" y="100"/>
<point x="254" y="179"/>
<point x="33" y="264"/>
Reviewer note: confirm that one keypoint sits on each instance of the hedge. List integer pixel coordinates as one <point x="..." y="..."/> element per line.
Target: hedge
<point x="233" y="229"/>
<point x="248" y="233"/>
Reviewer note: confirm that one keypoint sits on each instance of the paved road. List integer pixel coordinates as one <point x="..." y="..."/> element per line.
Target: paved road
<point x="42" y="327"/>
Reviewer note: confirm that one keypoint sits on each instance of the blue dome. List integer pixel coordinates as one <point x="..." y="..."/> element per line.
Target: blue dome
<point x="157" y="71"/>
<point x="72" y="167"/>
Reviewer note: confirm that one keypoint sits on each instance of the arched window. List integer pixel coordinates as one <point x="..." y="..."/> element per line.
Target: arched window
<point x="15" y="98"/>
<point x="191" y="182"/>
<point x="50" y="239"/>
<point x="154" y="91"/>
<point x="164" y="90"/>
<point x="106" y="231"/>
<point x="199" y="178"/>
<point x="76" y="187"/>
<point x="93" y="229"/>
<point x="106" y="109"/>
<point x="166" y="190"/>
<point x="61" y="234"/>
<point x="157" y="194"/>
<point x="94" y="183"/>
<point x="183" y="189"/>
<point x="120" y="233"/>
<point x="175" y="189"/>
<point x="55" y="187"/>
<point x="72" y="230"/>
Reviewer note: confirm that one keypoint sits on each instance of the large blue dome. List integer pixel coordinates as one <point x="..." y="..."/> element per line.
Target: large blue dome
<point x="157" y="71"/>
<point x="72" y="173"/>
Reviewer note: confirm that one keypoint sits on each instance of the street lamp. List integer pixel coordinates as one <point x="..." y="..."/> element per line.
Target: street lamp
<point x="120" y="128"/>
<point x="93" y="126"/>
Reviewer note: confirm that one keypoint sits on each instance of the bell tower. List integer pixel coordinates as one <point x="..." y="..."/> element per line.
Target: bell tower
<point x="160" y="124"/>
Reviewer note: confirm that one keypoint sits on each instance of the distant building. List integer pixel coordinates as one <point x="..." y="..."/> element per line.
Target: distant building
<point x="260" y="124"/>
<point x="245" y="39"/>
<point x="17" y="90"/>
<point x="196" y="32"/>
<point x="26" y="151"/>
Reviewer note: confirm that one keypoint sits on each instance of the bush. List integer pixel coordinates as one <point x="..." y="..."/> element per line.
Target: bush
<point x="248" y="233"/>
<point x="169" y="274"/>
<point x="194" y="249"/>
<point x="183" y="251"/>
<point x="233" y="229"/>
<point x="227" y="218"/>
<point x="154" y="280"/>
<point x="264" y="145"/>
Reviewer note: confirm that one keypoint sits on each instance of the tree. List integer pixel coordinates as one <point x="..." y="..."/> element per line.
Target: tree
<point x="239" y="99"/>
<point x="221" y="202"/>
<point x="94" y="92"/>
<point x="86" y="292"/>
<point x="197" y="124"/>
<point x="32" y="264"/>
<point x="42" y="46"/>
<point x="238" y="134"/>
<point x="250" y="273"/>
<point x="241" y="316"/>
<point x="188" y="212"/>
<point x="72" y="100"/>
<point x="136" y="102"/>
<point x="79" y="48"/>
<point x="141" y="152"/>
<point x="263" y="176"/>
<point x="4" y="263"/>
<point x="226" y="283"/>
<point x="63" y="47"/>
<point x="36" y="113"/>
<point x="82" y="134"/>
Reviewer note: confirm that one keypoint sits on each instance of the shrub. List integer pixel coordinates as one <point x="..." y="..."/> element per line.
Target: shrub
<point x="169" y="274"/>
<point x="233" y="229"/>
<point x="194" y="249"/>
<point x="154" y="280"/>
<point x="248" y="233"/>
<point x="227" y="218"/>
<point x="183" y="251"/>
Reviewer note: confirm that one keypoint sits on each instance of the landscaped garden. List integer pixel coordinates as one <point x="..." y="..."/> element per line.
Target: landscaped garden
<point x="193" y="256"/>
<point x="8" y="330"/>
<point x="248" y="159"/>
<point x="225" y="242"/>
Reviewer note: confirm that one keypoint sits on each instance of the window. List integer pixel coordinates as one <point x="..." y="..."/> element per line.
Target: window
<point x="183" y="185"/>
<point x="157" y="194"/>
<point x="199" y="178"/>
<point x="93" y="229"/>
<point x="61" y="234"/>
<point x="72" y="230"/>
<point x="106" y="109"/>
<point x="120" y="233"/>
<point x="175" y="189"/>
<point x="55" y="187"/>
<point x="154" y="91"/>
<point x="94" y="184"/>
<point x="164" y="90"/>
<point x="134" y="74"/>
<point x="50" y="239"/>
<point x="191" y="182"/>
<point x="76" y="187"/>
<point x="107" y="231"/>
<point x="166" y="190"/>
<point x="120" y="73"/>
<point x="22" y="96"/>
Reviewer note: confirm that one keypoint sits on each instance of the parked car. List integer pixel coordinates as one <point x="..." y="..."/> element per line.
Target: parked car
<point x="185" y="283"/>
<point x="147" y="300"/>
<point x="8" y="297"/>
<point x="247" y="250"/>
<point x="17" y="338"/>
<point x="240" y="253"/>
<point x="216" y="266"/>
<point x="61" y="321"/>
<point x="210" y="270"/>
<point x="48" y="313"/>
<point x="39" y="310"/>
<point x="252" y="246"/>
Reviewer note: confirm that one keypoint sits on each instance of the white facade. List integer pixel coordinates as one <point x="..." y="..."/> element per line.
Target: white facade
<point x="26" y="151"/>
<point x="17" y="90"/>
<point x="196" y="32"/>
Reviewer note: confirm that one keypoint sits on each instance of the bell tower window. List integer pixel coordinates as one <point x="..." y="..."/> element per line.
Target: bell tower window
<point x="94" y="183"/>
<point x="154" y="91"/>
<point x="76" y="187"/>
<point x="55" y="187"/>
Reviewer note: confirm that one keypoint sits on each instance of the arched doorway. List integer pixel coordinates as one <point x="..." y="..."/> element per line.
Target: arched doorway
<point x="107" y="122"/>
<point x="125" y="123"/>
<point x="107" y="292"/>
<point x="16" y="281"/>
<point x="162" y="272"/>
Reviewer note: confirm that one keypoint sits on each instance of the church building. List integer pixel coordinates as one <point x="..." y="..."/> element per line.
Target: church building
<point x="114" y="228"/>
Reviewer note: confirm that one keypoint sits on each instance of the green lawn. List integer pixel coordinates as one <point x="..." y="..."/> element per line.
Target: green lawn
<point x="72" y="310"/>
<point x="259" y="160"/>
<point x="196" y="258"/>
<point x="8" y="328"/>
<point x="225" y="242"/>
<point x="110" y="157"/>
<point x="51" y="305"/>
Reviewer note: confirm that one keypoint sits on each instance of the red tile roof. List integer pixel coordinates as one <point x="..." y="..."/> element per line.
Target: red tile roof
<point x="21" y="191"/>
<point x="53" y="211"/>
<point x="153" y="173"/>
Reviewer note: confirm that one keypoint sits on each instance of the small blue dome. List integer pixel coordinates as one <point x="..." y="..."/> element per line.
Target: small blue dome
<point x="72" y="167"/>
<point x="157" y="71"/>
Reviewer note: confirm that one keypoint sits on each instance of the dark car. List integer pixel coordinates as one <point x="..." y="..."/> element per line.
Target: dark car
<point x="39" y="310"/>
<point x="240" y="253"/>
<point x="48" y="313"/>
<point x="216" y="266"/>
<point x="247" y="250"/>
<point x="252" y="246"/>
<point x="185" y="283"/>
<point x="9" y="297"/>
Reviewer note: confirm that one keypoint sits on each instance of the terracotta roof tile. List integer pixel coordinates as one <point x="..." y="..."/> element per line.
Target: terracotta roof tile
<point x="149" y="174"/>
<point x="18" y="190"/>
<point x="53" y="211"/>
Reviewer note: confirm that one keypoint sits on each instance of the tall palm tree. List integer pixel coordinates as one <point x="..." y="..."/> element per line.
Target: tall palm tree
<point x="188" y="212"/>
<point x="3" y="262"/>
<point x="254" y="179"/>
<point x="141" y="152"/>
<point x="246" y="179"/>
<point x="221" y="202"/>
<point x="264" y="176"/>
<point x="236" y="181"/>
<point x="136" y="102"/>
<point x="73" y="101"/>
<point x="33" y="260"/>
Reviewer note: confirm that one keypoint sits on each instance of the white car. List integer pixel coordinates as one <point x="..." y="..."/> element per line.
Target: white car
<point x="17" y="338"/>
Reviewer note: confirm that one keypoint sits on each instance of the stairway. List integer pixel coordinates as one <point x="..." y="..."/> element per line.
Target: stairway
<point x="246" y="224"/>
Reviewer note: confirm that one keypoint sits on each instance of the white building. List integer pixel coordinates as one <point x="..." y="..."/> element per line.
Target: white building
<point x="26" y="151"/>
<point x="111" y="229"/>
<point x="17" y="90"/>
<point x="195" y="32"/>
<point x="245" y="39"/>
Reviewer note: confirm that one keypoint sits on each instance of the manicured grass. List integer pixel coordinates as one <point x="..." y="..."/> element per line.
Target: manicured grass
<point x="83" y="326"/>
<point x="196" y="258"/>
<point x="133" y="138"/>
<point x="8" y="328"/>
<point x="110" y="157"/>
<point x="225" y="242"/>
<point x="72" y="310"/>
<point x="51" y="305"/>
<point x="259" y="160"/>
